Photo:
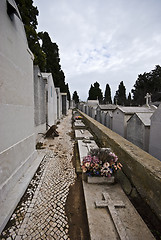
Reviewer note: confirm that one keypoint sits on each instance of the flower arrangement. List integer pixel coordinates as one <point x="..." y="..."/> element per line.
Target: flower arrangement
<point x="78" y="117"/>
<point x="100" y="162"/>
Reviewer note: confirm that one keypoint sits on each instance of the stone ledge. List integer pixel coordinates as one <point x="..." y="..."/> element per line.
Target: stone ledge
<point x="142" y="169"/>
<point x="8" y="205"/>
<point x="98" y="180"/>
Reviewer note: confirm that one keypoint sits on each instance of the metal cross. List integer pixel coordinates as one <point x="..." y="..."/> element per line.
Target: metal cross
<point x="111" y="205"/>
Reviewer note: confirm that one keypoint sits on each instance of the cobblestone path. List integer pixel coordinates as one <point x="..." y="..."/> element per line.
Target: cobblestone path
<point x="41" y="212"/>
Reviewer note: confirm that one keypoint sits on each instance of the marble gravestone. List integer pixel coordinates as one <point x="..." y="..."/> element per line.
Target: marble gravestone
<point x="84" y="146"/>
<point x="83" y="133"/>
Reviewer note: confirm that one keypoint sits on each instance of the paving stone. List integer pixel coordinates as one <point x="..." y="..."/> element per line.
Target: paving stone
<point x="44" y="203"/>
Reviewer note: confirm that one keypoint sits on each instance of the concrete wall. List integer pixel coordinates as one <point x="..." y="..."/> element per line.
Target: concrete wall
<point x="17" y="143"/>
<point x="93" y="112"/>
<point x="140" y="169"/>
<point x="59" y="107"/>
<point x="138" y="133"/>
<point x="51" y="104"/>
<point x="155" y="134"/>
<point x="39" y="102"/>
<point x="64" y="103"/>
<point x="108" y="120"/>
<point x="118" y="123"/>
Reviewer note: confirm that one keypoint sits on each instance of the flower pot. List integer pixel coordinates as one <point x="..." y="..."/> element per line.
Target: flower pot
<point x="98" y="180"/>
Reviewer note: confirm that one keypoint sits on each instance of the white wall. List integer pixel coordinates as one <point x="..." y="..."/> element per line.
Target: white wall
<point x="52" y="99"/>
<point x="16" y="102"/>
<point x="39" y="103"/>
<point x="118" y="122"/>
<point x="155" y="134"/>
<point x="59" y="107"/>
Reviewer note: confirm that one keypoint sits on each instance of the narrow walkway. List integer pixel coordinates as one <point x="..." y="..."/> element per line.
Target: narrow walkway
<point x="41" y="212"/>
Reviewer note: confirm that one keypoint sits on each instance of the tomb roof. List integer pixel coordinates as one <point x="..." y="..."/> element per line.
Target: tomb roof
<point x="131" y="110"/>
<point x="145" y="118"/>
<point x="107" y="107"/>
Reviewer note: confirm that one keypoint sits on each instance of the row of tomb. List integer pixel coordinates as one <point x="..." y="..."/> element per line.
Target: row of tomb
<point x="109" y="211"/>
<point x="139" y="125"/>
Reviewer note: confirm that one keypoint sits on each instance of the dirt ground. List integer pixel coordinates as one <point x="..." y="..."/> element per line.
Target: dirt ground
<point x="75" y="208"/>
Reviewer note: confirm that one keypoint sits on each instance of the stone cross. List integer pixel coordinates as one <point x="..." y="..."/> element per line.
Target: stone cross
<point x="111" y="205"/>
<point x="148" y="98"/>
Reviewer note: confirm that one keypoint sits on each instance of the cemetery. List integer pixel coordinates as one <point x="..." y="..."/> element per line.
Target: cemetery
<point x="29" y="105"/>
<point x="102" y="213"/>
<point x="40" y="161"/>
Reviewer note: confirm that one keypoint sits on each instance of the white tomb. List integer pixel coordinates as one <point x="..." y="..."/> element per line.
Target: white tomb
<point x="155" y="134"/>
<point x="17" y="143"/>
<point x="51" y="104"/>
<point x="79" y="124"/>
<point x="40" y="110"/>
<point x="84" y="147"/>
<point x="122" y="114"/>
<point x="83" y="133"/>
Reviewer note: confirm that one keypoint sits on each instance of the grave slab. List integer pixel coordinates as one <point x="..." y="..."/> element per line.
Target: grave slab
<point x="83" y="133"/>
<point x="79" y="124"/>
<point x="111" y="215"/>
<point x="84" y="146"/>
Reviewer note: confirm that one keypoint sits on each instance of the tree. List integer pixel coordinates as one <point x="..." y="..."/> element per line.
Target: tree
<point x="47" y="56"/>
<point x="53" y="61"/>
<point x="75" y="97"/>
<point x="147" y="83"/>
<point x="29" y="15"/>
<point x="107" y="96"/>
<point x="95" y="92"/>
<point x="120" y="96"/>
<point x="129" y="100"/>
<point x="68" y="92"/>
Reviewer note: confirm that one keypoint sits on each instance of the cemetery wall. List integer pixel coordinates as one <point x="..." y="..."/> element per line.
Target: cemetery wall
<point x="141" y="171"/>
<point x="16" y="102"/>
<point x="59" y="111"/>
<point x="155" y="134"/>
<point x="118" y="124"/>
<point x="51" y="99"/>
<point x="39" y="102"/>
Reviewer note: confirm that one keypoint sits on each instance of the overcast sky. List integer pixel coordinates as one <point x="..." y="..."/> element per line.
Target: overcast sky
<point x="104" y="41"/>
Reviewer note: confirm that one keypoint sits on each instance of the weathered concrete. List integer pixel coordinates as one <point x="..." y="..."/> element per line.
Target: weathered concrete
<point x="142" y="170"/>
<point x="100" y="223"/>
<point x="41" y="213"/>
<point x="40" y="105"/>
<point x="79" y="124"/>
<point x="138" y="130"/>
<point x="17" y="142"/>
<point x="155" y="134"/>
<point x="83" y="133"/>
<point x="84" y="146"/>
<point x="51" y="103"/>
<point x="8" y="205"/>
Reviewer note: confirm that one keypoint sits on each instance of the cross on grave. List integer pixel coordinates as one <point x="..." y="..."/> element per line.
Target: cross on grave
<point x="111" y="205"/>
<point x="148" y="99"/>
<point x="89" y="144"/>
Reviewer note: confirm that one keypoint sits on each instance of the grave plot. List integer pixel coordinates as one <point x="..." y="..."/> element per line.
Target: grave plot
<point x="83" y="134"/>
<point x="84" y="146"/>
<point x="111" y="215"/>
<point x="79" y="124"/>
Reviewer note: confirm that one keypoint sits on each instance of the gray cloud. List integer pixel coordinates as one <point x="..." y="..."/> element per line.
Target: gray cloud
<point x="104" y="41"/>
